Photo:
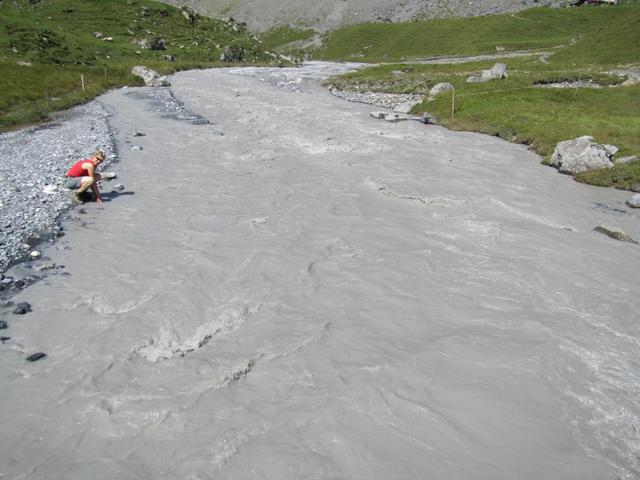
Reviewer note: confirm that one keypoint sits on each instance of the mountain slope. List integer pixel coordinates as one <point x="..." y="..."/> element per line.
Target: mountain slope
<point x="261" y="15"/>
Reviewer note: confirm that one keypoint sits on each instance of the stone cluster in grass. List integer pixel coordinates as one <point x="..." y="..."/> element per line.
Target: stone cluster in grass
<point x="34" y="162"/>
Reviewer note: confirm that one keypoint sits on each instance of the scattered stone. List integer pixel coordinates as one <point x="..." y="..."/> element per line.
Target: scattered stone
<point x="151" y="78"/>
<point x="137" y="148"/>
<point x="142" y="43"/>
<point x="157" y="44"/>
<point x="108" y="176"/>
<point x="34" y="357"/>
<point x="118" y="188"/>
<point x="98" y="35"/>
<point x="190" y="15"/>
<point x="35" y="254"/>
<point x="3" y="325"/>
<point x="4" y="339"/>
<point x="634" y="202"/>
<point x="439" y="88"/>
<point x="379" y="115"/>
<point x="428" y="119"/>
<point x="232" y="54"/>
<point x="138" y="134"/>
<point x="22" y="63"/>
<point x="635" y="187"/>
<point x="581" y="154"/>
<point x="169" y="58"/>
<point x="498" y="71"/>
<point x="615" y="233"/>
<point x="22" y="308"/>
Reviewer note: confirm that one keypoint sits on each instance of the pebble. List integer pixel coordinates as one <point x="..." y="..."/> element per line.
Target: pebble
<point x="138" y="134"/>
<point x="35" y="254"/>
<point x="137" y="148"/>
<point x="22" y="308"/>
<point x="4" y="339"/>
<point x="34" y="357"/>
<point x="3" y="325"/>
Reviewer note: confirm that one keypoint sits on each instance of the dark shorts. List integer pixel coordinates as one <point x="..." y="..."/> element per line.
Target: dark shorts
<point x="73" y="182"/>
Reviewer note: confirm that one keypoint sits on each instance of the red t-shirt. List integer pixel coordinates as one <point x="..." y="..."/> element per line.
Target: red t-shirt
<point x="77" y="170"/>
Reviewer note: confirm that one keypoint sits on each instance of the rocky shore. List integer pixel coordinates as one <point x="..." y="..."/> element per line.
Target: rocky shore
<point x="34" y="161"/>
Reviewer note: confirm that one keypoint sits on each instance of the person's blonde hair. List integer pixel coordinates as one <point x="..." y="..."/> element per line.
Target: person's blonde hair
<point x="100" y="154"/>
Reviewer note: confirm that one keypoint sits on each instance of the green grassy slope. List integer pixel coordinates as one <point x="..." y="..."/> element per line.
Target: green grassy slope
<point x="278" y="37"/>
<point x="46" y="46"/>
<point x="538" y="28"/>
<point x="592" y="43"/>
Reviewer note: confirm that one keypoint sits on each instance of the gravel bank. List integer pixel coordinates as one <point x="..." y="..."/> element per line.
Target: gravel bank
<point x="33" y="162"/>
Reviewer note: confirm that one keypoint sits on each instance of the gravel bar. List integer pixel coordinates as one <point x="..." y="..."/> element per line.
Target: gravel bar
<point x="33" y="162"/>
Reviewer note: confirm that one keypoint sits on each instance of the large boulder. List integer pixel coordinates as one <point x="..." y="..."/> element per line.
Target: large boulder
<point x="439" y="88"/>
<point x="151" y="78"/>
<point x="582" y="154"/>
<point x="498" y="71"/>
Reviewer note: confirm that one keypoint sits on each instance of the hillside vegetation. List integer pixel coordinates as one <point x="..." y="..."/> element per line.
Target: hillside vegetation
<point x="45" y="47"/>
<point x="595" y="46"/>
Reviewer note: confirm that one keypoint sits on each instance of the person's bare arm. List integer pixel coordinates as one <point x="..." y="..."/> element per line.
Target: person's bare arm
<point x="91" y="170"/>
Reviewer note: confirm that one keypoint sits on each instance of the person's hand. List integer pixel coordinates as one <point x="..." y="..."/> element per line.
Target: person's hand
<point x="99" y="200"/>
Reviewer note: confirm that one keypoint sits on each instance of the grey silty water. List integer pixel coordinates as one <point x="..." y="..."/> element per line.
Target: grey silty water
<point x="298" y="290"/>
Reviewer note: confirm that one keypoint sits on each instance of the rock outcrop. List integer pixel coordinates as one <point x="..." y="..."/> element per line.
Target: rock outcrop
<point x="582" y="154"/>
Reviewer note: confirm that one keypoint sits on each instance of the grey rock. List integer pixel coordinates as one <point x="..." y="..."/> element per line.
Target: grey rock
<point x="22" y="308"/>
<point x="138" y="134"/>
<point x="137" y="148"/>
<point x="635" y="187"/>
<point x="157" y="44"/>
<point x="4" y="339"/>
<point x="232" y="54"/>
<point x="151" y="78"/>
<point x="579" y="155"/>
<point x="614" y="233"/>
<point x="428" y="119"/>
<point x="3" y="325"/>
<point x="34" y="357"/>
<point x="498" y="71"/>
<point x="439" y="88"/>
<point x="118" y="188"/>
<point x="634" y="202"/>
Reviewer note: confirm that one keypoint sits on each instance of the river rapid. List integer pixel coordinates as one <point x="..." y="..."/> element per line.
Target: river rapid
<point x="297" y="290"/>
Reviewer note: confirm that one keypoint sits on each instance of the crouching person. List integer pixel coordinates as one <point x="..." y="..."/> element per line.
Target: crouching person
<point x="82" y="176"/>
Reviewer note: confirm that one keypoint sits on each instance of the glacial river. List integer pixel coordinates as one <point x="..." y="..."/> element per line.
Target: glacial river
<point x="297" y="290"/>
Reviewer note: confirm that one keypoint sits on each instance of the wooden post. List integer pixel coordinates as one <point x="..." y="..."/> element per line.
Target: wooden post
<point x="82" y="81"/>
<point x="453" y="102"/>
